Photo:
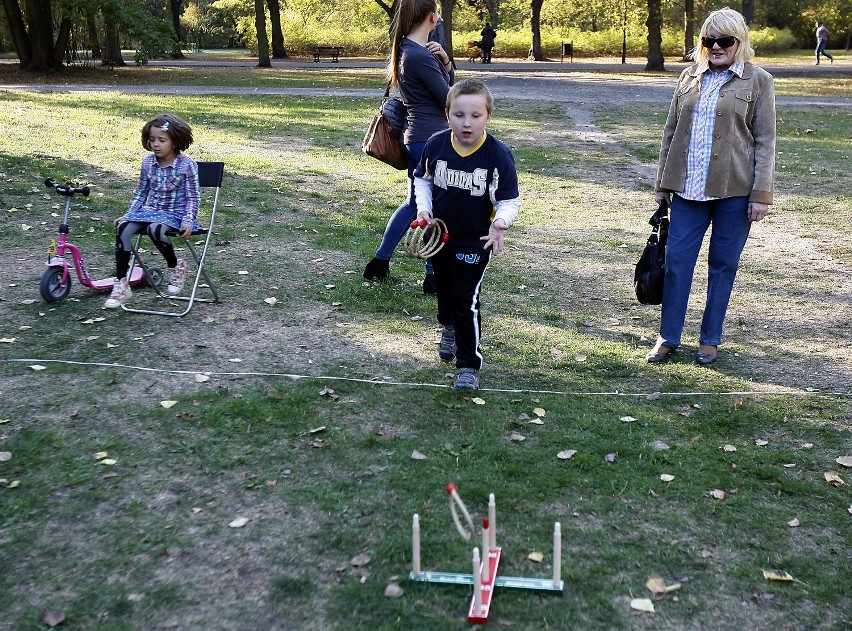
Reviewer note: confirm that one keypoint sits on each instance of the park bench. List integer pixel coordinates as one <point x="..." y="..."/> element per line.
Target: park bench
<point x="327" y="51"/>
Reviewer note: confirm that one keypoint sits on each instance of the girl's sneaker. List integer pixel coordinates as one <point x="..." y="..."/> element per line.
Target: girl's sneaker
<point x="176" y="278"/>
<point x="120" y="293"/>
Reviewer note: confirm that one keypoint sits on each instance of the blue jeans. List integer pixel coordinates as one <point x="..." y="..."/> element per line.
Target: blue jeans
<point x="820" y="49"/>
<point x="689" y="223"/>
<point x="401" y="219"/>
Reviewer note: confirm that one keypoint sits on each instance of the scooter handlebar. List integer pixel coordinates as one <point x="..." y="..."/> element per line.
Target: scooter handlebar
<point x="66" y="189"/>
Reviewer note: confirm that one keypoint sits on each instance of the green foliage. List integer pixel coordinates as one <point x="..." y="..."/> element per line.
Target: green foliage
<point x="771" y="40"/>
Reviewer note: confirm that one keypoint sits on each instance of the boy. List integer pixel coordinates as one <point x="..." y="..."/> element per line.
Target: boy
<point x="467" y="178"/>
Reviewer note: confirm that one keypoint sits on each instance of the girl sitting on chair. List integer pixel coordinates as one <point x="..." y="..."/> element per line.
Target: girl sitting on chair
<point x="166" y="198"/>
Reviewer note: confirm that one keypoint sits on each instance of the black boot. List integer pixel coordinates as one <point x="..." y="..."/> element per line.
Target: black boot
<point x="378" y="269"/>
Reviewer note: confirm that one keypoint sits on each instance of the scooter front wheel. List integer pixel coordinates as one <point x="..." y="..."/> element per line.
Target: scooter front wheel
<point x="51" y="287"/>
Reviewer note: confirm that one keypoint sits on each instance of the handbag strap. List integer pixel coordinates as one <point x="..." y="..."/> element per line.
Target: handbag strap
<point x="387" y="91"/>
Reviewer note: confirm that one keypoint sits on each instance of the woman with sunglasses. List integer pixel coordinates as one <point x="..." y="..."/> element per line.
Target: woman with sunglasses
<point x="717" y="164"/>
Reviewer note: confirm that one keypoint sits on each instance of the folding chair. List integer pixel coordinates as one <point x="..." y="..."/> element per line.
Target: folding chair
<point x="209" y="176"/>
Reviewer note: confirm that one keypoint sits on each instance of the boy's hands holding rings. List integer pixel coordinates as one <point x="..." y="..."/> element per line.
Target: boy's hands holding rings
<point x="427" y="217"/>
<point x="494" y="238"/>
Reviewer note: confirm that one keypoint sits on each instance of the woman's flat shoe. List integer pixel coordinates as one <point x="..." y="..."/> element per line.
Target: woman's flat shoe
<point x="660" y="355"/>
<point x="705" y="359"/>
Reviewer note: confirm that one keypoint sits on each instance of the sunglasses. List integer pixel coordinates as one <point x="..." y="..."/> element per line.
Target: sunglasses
<point x="724" y="42"/>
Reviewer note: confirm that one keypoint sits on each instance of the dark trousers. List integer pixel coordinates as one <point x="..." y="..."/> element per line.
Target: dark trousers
<point x="124" y="234"/>
<point x="458" y="277"/>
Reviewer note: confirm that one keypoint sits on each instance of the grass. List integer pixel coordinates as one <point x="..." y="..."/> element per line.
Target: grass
<point x="323" y="476"/>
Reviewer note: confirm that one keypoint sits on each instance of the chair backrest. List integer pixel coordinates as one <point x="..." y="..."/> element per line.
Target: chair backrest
<point x="210" y="174"/>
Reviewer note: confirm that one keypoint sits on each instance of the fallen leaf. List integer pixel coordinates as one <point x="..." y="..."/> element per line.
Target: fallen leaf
<point x="718" y="494"/>
<point x="523" y="416"/>
<point x="793" y="523"/>
<point x="393" y="591"/>
<point x="243" y="272"/>
<point x="36" y="367"/>
<point x="168" y="404"/>
<point x="789" y="465"/>
<point x="536" y="421"/>
<point x="416" y="455"/>
<point x="235" y="360"/>
<point x="627" y="419"/>
<point x="555" y="351"/>
<point x="199" y="378"/>
<point x="642" y="604"/>
<point x="329" y="286"/>
<point x="135" y="598"/>
<point x="360" y="560"/>
<point x="111" y="345"/>
<point x="580" y="358"/>
<point x="7" y="340"/>
<point x="108" y="462"/>
<point x="807" y="445"/>
<point x="656" y="585"/>
<point x="849" y="510"/>
<point x="760" y="442"/>
<point x="609" y="458"/>
<point x="845" y="461"/>
<point x="536" y="557"/>
<point x="195" y="510"/>
<point x="832" y="478"/>
<point x="271" y="300"/>
<point x="478" y="401"/>
<point x="666" y="477"/>
<point x="208" y="319"/>
<point x="5" y="456"/>
<point x="729" y="448"/>
<point x="539" y="411"/>
<point x="566" y="455"/>
<point x="318" y="443"/>
<point x="777" y="575"/>
<point x="14" y="484"/>
<point x="4" y="420"/>
<point x="92" y="338"/>
<point x="659" y="445"/>
<point x="239" y="522"/>
<point x="516" y="437"/>
<point x="53" y="618"/>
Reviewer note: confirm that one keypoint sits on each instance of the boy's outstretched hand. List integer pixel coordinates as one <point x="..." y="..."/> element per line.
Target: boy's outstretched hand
<point x="494" y="239"/>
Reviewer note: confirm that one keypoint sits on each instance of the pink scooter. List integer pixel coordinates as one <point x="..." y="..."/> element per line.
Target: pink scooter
<point x="56" y="280"/>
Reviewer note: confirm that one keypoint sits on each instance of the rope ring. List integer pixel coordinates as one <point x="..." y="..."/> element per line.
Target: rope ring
<point x="456" y="500"/>
<point x="423" y="243"/>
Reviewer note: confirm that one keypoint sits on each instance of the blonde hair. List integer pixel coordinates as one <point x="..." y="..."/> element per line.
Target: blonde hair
<point x="728" y="22"/>
<point x="408" y="14"/>
<point x="471" y="86"/>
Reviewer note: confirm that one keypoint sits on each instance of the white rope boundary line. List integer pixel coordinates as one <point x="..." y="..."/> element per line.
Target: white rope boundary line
<point x="414" y="384"/>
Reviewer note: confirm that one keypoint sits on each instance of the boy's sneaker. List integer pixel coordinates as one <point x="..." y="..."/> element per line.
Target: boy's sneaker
<point x="176" y="278"/>
<point x="447" y="345"/>
<point x="377" y="269"/>
<point x="467" y="379"/>
<point x="120" y="293"/>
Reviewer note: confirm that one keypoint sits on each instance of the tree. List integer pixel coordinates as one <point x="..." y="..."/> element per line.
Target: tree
<point x="39" y="45"/>
<point x="748" y="10"/>
<point x="278" y="51"/>
<point x="688" y="27"/>
<point x="535" y="26"/>
<point x="655" y="35"/>
<point x="262" y="40"/>
<point x="177" y="10"/>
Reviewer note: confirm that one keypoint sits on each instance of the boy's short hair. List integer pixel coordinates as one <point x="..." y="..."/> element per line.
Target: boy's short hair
<point x="471" y="86"/>
<point x="179" y="131"/>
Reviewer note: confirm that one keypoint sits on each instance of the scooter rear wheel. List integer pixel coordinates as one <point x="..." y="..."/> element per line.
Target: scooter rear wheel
<point x="51" y="287"/>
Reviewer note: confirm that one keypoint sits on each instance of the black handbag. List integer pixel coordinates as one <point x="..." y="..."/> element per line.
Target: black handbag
<point x="382" y="141"/>
<point x="651" y="268"/>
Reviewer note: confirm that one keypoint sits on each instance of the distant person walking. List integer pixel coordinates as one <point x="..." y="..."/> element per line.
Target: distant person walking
<point x="822" y="42"/>
<point x="487" y="42"/>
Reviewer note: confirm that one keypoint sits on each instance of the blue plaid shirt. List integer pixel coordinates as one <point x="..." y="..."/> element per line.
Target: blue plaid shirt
<point x="169" y="195"/>
<point x="701" y="138"/>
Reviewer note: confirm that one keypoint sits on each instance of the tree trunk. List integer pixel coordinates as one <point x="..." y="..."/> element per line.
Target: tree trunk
<point x="688" y="27"/>
<point x="20" y="39"/>
<point x="493" y="11"/>
<point x="535" y="26"/>
<point x="112" y="48"/>
<point x="177" y="9"/>
<point x="447" y="17"/>
<point x="655" y="36"/>
<point x="278" y="51"/>
<point x="748" y="10"/>
<point x="262" y="40"/>
<point x="92" y="34"/>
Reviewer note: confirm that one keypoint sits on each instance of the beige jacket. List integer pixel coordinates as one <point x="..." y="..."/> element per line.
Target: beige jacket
<point x="743" y="149"/>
